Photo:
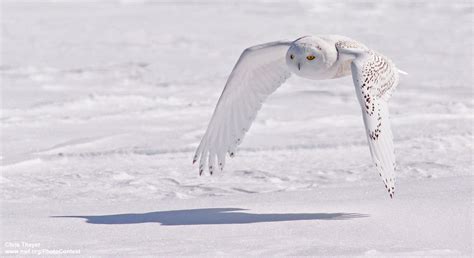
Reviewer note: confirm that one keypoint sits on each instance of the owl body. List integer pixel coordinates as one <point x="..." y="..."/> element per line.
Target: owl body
<point x="261" y="69"/>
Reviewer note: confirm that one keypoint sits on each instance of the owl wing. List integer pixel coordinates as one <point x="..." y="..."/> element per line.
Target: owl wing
<point x="375" y="77"/>
<point x="259" y="71"/>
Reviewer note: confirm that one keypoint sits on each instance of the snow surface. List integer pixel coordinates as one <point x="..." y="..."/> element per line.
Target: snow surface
<point x="103" y="103"/>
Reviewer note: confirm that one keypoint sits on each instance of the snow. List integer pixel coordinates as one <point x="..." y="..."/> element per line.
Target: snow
<point x="104" y="102"/>
<point x="428" y="217"/>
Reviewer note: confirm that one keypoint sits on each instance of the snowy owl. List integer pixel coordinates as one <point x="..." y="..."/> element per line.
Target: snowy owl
<point x="261" y="69"/>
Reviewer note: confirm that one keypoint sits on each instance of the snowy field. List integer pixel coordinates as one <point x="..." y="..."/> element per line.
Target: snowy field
<point x="104" y="102"/>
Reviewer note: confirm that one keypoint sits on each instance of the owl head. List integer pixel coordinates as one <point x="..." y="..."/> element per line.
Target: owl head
<point x="311" y="57"/>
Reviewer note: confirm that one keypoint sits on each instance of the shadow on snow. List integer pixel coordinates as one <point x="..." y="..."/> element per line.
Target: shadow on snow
<point x="209" y="216"/>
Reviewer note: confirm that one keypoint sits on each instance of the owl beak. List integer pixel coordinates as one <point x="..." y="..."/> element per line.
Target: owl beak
<point x="299" y="66"/>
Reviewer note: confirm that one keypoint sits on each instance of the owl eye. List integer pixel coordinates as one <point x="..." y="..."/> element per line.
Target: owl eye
<point x="310" y="57"/>
<point x="291" y="57"/>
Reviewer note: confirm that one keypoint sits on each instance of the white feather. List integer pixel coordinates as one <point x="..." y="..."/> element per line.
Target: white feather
<point x="372" y="74"/>
<point x="259" y="71"/>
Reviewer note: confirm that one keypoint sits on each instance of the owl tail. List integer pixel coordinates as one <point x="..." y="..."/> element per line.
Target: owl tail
<point x="402" y="72"/>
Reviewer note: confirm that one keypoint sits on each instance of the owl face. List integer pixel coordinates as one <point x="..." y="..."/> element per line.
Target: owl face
<point x="308" y="59"/>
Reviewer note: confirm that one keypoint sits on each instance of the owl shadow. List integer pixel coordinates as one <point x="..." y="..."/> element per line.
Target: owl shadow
<point x="209" y="216"/>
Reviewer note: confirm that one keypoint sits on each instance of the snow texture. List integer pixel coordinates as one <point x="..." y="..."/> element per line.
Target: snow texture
<point x="104" y="102"/>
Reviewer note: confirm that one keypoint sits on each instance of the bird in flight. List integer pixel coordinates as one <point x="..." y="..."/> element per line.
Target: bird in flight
<point x="261" y="69"/>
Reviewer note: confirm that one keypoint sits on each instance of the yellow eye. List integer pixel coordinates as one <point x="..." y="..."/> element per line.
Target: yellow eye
<point x="291" y="57"/>
<point x="310" y="57"/>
